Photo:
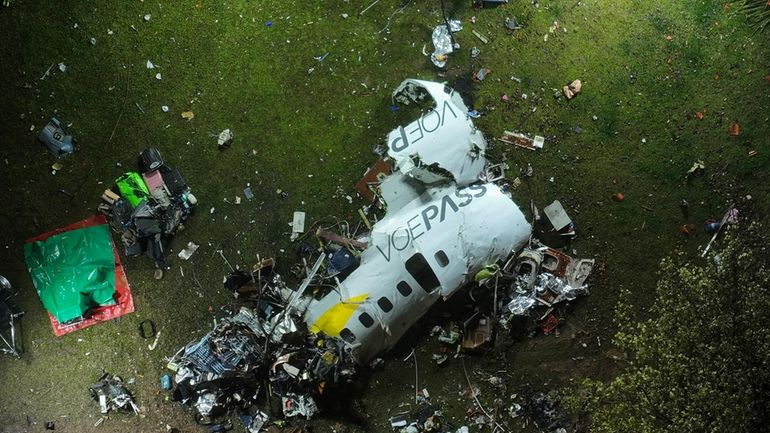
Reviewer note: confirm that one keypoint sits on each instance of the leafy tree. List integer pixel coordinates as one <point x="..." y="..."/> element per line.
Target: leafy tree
<point x="701" y="362"/>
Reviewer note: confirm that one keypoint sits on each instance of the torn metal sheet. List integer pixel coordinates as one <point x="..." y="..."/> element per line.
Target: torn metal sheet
<point x="373" y="177"/>
<point x="427" y="249"/>
<point x="443" y="144"/>
<point x="398" y="190"/>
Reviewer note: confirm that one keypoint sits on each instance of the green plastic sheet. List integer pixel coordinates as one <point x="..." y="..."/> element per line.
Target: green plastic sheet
<point x="73" y="271"/>
<point x="132" y="187"/>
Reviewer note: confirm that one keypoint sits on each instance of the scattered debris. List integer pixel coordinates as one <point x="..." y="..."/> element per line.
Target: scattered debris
<point x="248" y="193"/>
<point x="189" y="115"/>
<point x="521" y="140"/>
<point x="697" y="166"/>
<point x="368" y="7"/>
<point x="481" y="37"/>
<point x="56" y="139"/>
<point x="618" y="196"/>
<point x="481" y="74"/>
<point x="731" y="216"/>
<point x="188" y="251"/>
<point x="511" y="24"/>
<point x="572" y="89"/>
<point x="149" y="208"/>
<point x="541" y="277"/>
<point x="297" y="225"/>
<point x="47" y="72"/>
<point x="112" y="395"/>
<point x="9" y="313"/>
<point x="443" y="42"/>
<point x="735" y="129"/>
<point x="559" y="219"/>
<point x="360" y="293"/>
<point x="225" y="139"/>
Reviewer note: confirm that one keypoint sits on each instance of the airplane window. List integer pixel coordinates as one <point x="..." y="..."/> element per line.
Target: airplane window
<point x="347" y="335"/>
<point x="366" y="320"/>
<point x="421" y="271"/>
<point x="385" y="304"/>
<point x="403" y="288"/>
<point x="441" y="258"/>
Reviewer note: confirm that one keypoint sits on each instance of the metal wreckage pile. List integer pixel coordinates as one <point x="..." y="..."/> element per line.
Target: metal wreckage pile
<point x="449" y="222"/>
<point x="149" y="207"/>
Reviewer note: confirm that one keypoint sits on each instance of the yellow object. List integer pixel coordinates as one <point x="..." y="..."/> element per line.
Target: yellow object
<point x="334" y="319"/>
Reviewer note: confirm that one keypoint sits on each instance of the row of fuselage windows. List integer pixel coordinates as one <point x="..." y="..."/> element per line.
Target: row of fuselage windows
<point x="421" y="271"/>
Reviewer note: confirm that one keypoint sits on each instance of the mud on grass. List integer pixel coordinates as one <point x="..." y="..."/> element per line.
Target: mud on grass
<point x="310" y="133"/>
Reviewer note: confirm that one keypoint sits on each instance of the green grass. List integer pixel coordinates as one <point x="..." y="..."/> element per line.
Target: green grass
<point x="220" y="61"/>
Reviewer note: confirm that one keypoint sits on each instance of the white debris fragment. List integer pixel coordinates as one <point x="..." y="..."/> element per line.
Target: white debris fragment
<point x="212" y="210"/>
<point x="225" y="138"/>
<point x="297" y="225"/>
<point x="93" y="41"/>
<point x="164" y="108"/>
<point x="186" y="253"/>
<point x="150" y="65"/>
<point x="157" y="76"/>
<point x="147" y="17"/>
<point x="62" y="67"/>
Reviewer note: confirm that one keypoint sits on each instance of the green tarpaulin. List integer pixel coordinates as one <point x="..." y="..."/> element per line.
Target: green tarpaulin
<point x="73" y="271"/>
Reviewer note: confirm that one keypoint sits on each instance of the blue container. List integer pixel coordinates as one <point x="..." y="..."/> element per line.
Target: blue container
<point x="165" y="381"/>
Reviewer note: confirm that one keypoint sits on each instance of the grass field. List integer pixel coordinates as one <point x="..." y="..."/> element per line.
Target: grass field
<point x="308" y="128"/>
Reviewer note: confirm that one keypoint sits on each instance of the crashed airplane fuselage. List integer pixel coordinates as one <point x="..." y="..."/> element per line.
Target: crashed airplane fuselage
<point x="428" y="249"/>
<point x="440" y="229"/>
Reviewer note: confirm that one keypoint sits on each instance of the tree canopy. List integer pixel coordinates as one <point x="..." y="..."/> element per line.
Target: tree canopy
<point x="701" y="361"/>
